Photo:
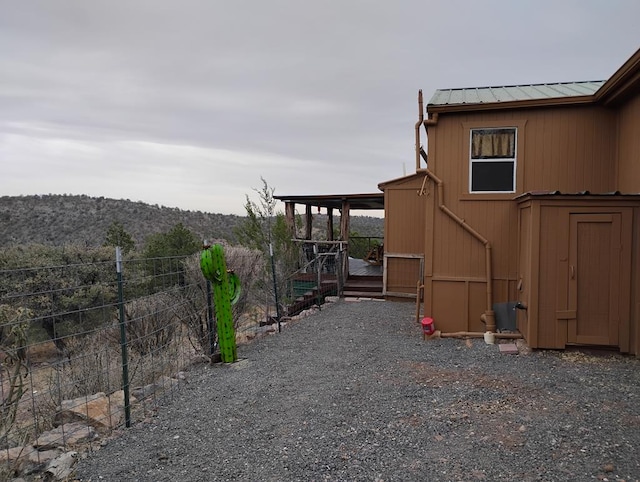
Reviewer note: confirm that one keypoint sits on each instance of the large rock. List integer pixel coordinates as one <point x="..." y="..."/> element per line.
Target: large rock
<point x="66" y="435"/>
<point x="102" y="412"/>
<point x="60" y="468"/>
<point x="27" y="460"/>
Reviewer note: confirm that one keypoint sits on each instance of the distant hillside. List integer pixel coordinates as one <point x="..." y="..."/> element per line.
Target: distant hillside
<point x="60" y="219"/>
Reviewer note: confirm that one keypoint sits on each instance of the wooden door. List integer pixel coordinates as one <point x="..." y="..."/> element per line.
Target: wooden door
<point x="594" y="278"/>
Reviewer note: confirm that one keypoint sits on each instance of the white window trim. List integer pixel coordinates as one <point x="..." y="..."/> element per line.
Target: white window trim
<point x="514" y="159"/>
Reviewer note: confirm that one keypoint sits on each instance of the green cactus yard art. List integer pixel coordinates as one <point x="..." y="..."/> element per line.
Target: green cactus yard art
<point x="226" y="292"/>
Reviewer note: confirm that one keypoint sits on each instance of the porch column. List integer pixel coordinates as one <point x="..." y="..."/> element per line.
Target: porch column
<point x="344" y="221"/>
<point x="290" y="217"/>
<point x="344" y="235"/>
<point x="329" y="224"/>
<point x="308" y="221"/>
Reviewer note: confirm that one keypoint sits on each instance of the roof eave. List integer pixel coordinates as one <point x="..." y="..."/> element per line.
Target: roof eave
<point x="621" y="82"/>
<point x="513" y="104"/>
<point x="385" y="184"/>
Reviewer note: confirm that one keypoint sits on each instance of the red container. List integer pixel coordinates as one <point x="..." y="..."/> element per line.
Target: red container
<point x="428" y="326"/>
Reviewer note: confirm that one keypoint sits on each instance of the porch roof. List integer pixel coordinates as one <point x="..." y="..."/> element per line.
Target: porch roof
<point x="356" y="201"/>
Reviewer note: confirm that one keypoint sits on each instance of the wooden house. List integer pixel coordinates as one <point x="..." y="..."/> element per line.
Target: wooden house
<point x="526" y="196"/>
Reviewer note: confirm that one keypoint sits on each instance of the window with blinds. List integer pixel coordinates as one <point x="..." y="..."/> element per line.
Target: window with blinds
<point x="492" y="164"/>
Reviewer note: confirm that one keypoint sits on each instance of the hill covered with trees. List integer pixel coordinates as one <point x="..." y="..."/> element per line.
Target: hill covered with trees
<point x="79" y="219"/>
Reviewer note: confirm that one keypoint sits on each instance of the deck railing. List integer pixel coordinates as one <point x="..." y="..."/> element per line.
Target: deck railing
<point x="322" y="271"/>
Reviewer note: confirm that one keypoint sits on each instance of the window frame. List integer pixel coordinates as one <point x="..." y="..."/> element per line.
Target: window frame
<point x="512" y="160"/>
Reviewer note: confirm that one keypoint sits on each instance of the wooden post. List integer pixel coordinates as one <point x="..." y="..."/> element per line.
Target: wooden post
<point x="344" y="221"/>
<point x="308" y="221"/>
<point x="290" y="216"/>
<point x="329" y="224"/>
<point x="344" y="233"/>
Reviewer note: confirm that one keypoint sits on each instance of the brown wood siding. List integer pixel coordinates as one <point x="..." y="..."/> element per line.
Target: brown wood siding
<point x="404" y="233"/>
<point x="629" y="147"/>
<point x="404" y="219"/>
<point x="634" y="319"/>
<point x="552" y="289"/>
<point x="524" y="269"/>
<point x="569" y="149"/>
<point x="577" y="253"/>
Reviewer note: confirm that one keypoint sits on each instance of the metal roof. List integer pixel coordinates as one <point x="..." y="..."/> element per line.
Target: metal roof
<point x="356" y="201"/>
<point x="513" y="93"/>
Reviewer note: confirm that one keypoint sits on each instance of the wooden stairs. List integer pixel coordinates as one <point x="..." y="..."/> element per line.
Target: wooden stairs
<point x="306" y="292"/>
<point x="363" y="287"/>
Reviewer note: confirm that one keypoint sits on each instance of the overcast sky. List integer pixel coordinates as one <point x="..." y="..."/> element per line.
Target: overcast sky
<point x="188" y="103"/>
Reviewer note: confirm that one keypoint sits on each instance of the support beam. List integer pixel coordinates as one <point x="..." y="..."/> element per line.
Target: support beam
<point x="344" y="221"/>
<point x="290" y="217"/>
<point x="308" y="222"/>
<point x="329" y="224"/>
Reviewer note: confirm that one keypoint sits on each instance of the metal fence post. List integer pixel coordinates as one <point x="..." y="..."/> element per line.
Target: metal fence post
<point x="275" y="285"/>
<point x="123" y="340"/>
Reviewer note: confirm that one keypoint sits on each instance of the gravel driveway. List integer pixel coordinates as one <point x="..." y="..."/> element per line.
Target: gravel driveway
<point x="354" y="393"/>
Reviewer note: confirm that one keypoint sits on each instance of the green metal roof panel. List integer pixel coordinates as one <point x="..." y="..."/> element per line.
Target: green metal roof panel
<point x="512" y="93"/>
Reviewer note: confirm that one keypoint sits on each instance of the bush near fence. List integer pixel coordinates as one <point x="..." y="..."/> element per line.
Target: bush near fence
<point x="62" y="340"/>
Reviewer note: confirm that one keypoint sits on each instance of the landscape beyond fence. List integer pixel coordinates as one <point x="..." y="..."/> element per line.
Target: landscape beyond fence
<point x="86" y="349"/>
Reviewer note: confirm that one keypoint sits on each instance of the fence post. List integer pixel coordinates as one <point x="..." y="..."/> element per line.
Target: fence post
<point x="123" y="340"/>
<point x="275" y="285"/>
<point x="338" y="265"/>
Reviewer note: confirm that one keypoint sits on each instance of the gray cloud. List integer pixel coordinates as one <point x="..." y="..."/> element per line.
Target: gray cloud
<point x="183" y="103"/>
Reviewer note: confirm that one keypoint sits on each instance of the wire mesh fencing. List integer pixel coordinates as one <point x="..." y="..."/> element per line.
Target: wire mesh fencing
<point x="91" y="346"/>
<point x="322" y="273"/>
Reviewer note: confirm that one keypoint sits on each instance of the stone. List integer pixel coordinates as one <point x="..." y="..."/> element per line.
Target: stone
<point x="508" y="348"/>
<point x="66" y="435"/>
<point x="27" y="459"/>
<point x="523" y="348"/>
<point x="61" y="467"/>
<point x="102" y="412"/>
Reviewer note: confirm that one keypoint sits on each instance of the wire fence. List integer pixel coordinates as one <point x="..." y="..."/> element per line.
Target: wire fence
<point x="87" y="348"/>
<point x="89" y="345"/>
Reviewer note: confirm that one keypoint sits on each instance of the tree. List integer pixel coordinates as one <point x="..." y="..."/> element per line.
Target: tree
<point x="266" y="230"/>
<point x="165" y="253"/>
<point x="69" y="289"/>
<point x="117" y="236"/>
<point x="179" y="241"/>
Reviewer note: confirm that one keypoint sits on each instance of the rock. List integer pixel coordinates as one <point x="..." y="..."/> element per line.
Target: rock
<point x="27" y="460"/>
<point x="608" y="468"/>
<point x="61" y="467"/>
<point x="102" y="412"/>
<point x="65" y="435"/>
<point x="523" y="348"/>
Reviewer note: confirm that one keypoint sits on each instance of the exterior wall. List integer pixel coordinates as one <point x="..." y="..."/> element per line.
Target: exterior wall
<point x="569" y="149"/>
<point x="629" y="182"/>
<point x="404" y="233"/>
<point x="527" y="276"/>
<point x="629" y="146"/>
<point x="546" y="275"/>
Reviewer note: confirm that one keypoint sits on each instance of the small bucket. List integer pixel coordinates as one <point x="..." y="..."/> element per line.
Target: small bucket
<point x="428" y="327"/>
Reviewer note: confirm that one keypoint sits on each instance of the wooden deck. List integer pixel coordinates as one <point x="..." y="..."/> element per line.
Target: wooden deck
<point x="364" y="281"/>
<point x="359" y="267"/>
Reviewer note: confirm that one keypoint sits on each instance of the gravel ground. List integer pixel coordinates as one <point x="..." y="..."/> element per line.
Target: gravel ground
<point x="354" y="393"/>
